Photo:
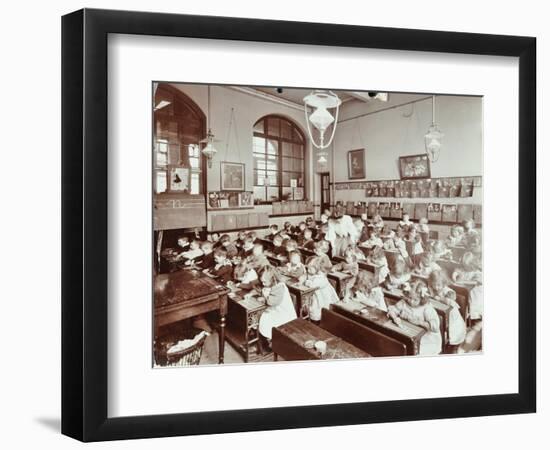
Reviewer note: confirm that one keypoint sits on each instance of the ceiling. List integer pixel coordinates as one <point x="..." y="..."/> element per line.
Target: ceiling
<point x="356" y="101"/>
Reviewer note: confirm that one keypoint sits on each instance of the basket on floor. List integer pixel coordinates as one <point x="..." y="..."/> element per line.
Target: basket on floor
<point x="190" y="356"/>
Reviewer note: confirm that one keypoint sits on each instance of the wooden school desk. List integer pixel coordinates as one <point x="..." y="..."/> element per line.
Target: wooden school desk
<point x="243" y="319"/>
<point x="289" y="343"/>
<point x="340" y="281"/>
<point x="301" y="294"/>
<point x="443" y="311"/>
<point x="188" y="293"/>
<point x="407" y="334"/>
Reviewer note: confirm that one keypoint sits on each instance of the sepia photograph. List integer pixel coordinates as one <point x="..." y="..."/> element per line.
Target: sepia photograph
<point x="314" y="224"/>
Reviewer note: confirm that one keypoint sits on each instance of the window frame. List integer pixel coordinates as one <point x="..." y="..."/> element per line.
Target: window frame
<point x="280" y="170"/>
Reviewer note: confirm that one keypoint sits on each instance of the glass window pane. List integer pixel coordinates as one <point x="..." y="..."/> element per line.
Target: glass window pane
<point x="286" y="178"/>
<point x="286" y="129"/>
<point x="273" y="126"/>
<point x="259" y="193"/>
<point x="161" y="181"/>
<point x="259" y="176"/>
<point x="288" y="164"/>
<point x="298" y="150"/>
<point x="298" y="165"/>
<point x="195" y="189"/>
<point x="272" y="194"/>
<point x="162" y="159"/>
<point x="259" y="161"/>
<point x="194" y="163"/>
<point x="273" y="178"/>
<point x="296" y="136"/>
<point x="286" y="148"/>
<point x="272" y="147"/>
<point x="300" y="177"/>
<point x="258" y="144"/>
<point x="272" y="164"/>
<point x="259" y="127"/>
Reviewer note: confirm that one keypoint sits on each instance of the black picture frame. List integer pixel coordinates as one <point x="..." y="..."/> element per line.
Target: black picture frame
<point x="407" y="159"/>
<point x="227" y="187"/>
<point x="84" y="224"/>
<point x="356" y="173"/>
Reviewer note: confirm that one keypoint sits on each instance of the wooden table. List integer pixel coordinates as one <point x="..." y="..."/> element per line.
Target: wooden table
<point x="289" y="342"/>
<point x="408" y="333"/>
<point x="188" y="293"/>
<point x="243" y="318"/>
<point x="340" y="281"/>
<point x="301" y="294"/>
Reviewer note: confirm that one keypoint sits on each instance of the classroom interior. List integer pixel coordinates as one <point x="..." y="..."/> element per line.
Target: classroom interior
<point x="301" y="224"/>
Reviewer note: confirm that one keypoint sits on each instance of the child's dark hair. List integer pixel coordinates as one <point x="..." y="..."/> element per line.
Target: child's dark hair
<point x="220" y="252"/>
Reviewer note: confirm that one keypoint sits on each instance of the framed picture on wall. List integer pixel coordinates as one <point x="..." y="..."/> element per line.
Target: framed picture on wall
<point x="232" y="176"/>
<point x="356" y="164"/>
<point x="132" y="395"/>
<point x="413" y="167"/>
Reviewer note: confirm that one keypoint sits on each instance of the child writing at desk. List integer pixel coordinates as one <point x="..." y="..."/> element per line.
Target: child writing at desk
<point x="278" y="248"/>
<point x="245" y="276"/>
<point x="378" y="223"/>
<point x="191" y="254"/>
<point x="223" y="269"/>
<point x="456" y="236"/>
<point x="320" y="250"/>
<point x="405" y="222"/>
<point x="307" y="242"/>
<point x="438" y="287"/>
<point x="207" y="261"/>
<point x="378" y="259"/>
<point x="415" y="242"/>
<point x="399" y="275"/>
<point x="415" y="307"/>
<point x="324" y="295"/>
<point x="470" y="274"/>
<point x="294" y="268"/>
<point x="367" y="291"/>
<point x="426" y="265"/>
<point x="280" y="308"/>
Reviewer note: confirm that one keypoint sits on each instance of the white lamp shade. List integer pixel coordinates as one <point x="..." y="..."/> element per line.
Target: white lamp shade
<point x="209" y="151"/>
<point x="321" y="119"/>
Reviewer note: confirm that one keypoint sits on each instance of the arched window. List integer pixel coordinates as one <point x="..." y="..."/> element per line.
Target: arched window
<point x="179" y="127"/>
<point x="279" y="153"/>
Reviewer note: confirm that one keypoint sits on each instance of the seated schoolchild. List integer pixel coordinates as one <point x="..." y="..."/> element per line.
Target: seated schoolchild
<point x="193" y="252"/>
<point x="258" y="260"/>
<point x="288" y="228"/>
<point x="253" y="235"/>
<point x="299" y="230"/>
<point x="239" y="242"/>
<point x="230" y="248"/>
<point x="278" y="248"/>
<point x="367" y="291"/>
<point x="247" y="247"/>
<point x="245" y="276"/>
<point x="294" y="268"/>
<point x="423" y="226"/>
<point x="323" y="231"/>
<point x="215" y="239"/>
<point x="324" y="295"/>
<point x="469" y="230"/>
<point x="389" y="243"/>
<point x="290" y="246"/>
<point x="183" y="244"/>
<point x="362" y="231"/>
<point x="357" y="252"/>
<point x="406" y="222"/>
<point x="273" y="230"/>
<point x="400" y="243"/>
<point x="310" y="224"/>
<point x="416" y="308"/>
<point x="373" y="240"/>
<point x="426" y="265"/>
<point x="399" y="274"/>
<point x="438" y="286"/>
<point x="378" y="223"/>
<point x="377" y="258"/>
<point x="349" y="265"/>
<point x="456" y="236"/>
<point x="223" y="269"/>
<point x="207" y="261"/>
<point x="320" y="249"/>
<point x="470" y="273"/>
<point x="280" y="308"/>
<point x="307" y="242"/>
<point x="440" y="251"/>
